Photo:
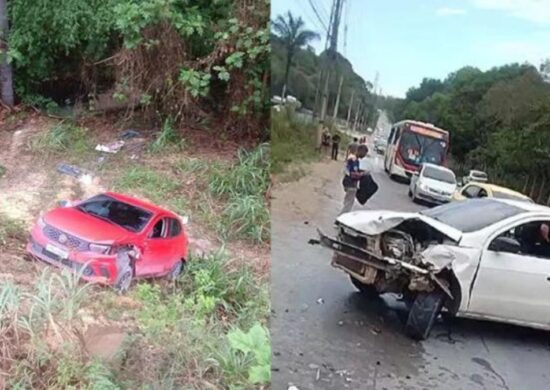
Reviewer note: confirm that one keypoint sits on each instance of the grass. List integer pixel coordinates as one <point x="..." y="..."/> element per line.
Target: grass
<point x="293" y="140"/>
<point x="167" y="138"/>
<point x="63" y="137"/>
<point x="2" y="170"/>
<point x="206" y="330"/>
<point x="11" y="230"/>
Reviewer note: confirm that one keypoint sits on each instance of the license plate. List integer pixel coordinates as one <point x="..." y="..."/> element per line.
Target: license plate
<point x="61" y="253"/>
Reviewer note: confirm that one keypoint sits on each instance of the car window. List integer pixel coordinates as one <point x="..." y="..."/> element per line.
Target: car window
<point x="439" y="174"/>
<point x="160" y="229"/>
<point x="175" y="227"/>
<point x="471" y="191"/>
<point x="472" y="215"/>
<point x="531" y="238"/>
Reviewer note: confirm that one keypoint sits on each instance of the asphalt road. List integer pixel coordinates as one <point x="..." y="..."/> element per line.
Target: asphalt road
<point x="326" y="336"/>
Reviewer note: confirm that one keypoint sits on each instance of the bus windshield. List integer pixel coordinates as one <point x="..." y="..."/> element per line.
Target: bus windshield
<point x="419" y="148"/>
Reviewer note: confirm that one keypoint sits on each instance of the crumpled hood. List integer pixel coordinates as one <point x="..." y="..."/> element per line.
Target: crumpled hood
<point x="379" y="221"/>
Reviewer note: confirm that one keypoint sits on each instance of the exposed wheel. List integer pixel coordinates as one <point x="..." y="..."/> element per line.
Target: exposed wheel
<point x="423" y="313"/>
<point x="176" y="270"/>
<point x="124" y="281"/>
<point x="367" y="290"/>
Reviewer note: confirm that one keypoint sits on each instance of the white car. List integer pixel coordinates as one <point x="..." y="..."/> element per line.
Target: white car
<point x="432" y="183"/>
<point x="481" y="258"/>
<point x="479" y="176"/>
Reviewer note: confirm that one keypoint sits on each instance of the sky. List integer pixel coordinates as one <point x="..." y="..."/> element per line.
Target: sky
<point x="407" y="40"/>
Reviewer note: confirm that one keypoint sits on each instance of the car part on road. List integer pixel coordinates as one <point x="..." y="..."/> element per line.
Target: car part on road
<point x="423" y="313"/>
<point x="368" y="290"/>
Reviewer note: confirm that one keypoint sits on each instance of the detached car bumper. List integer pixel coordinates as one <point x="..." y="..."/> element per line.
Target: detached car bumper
<point x="91" y="266"/>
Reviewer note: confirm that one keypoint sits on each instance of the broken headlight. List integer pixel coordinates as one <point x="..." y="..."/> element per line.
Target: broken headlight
<point x="100" y="248"/>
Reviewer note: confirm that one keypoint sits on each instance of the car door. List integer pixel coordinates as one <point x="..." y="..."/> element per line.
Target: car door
<point x="513" y="286"/>
<point x="157" y="249"/>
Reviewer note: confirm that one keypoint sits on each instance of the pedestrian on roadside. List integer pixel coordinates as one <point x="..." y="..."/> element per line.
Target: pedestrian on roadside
<point x="335" y="145"/>
<point x="352" y="148"/>
<point x="352" y="175"/>
<point x="325" y="140"/>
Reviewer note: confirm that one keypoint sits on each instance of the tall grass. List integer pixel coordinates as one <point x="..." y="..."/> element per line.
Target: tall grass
<point x="11" y="230"/>
<point x="63" y="137"/>
<point x="293" y="140"/>
<point x="167" y="138"/>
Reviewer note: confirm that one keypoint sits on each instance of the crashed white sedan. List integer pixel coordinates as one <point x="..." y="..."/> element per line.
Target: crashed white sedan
<point x="482" y="258"/>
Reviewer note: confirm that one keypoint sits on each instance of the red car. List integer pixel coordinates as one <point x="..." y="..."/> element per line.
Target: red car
<point x="111" y="238"/>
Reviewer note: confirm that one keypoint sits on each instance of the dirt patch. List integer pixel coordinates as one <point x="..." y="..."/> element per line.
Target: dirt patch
<point x="104" y="342"/>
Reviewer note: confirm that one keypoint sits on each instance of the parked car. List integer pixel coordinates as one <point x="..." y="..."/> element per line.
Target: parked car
<point x="433" y="184"/>
<point x="111" y="238"/>
<point x="477" y="176"/>
<point x="474" y="259"/>
<point x="486" y="190"/>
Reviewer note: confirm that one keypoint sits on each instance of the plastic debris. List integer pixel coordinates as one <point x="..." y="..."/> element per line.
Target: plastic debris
<point x="128" y="134"/>
<point x="70" y="170"/>
<point x="113" y="147"/>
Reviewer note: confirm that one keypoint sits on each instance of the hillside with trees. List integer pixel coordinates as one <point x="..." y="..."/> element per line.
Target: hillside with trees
<point x="499" y="121"/>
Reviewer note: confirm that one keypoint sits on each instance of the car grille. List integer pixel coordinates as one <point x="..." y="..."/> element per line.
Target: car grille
<point x="71" y="242"/>
<point x="350" y="264"/>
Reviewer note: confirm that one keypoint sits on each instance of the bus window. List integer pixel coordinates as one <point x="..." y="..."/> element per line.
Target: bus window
<point x="390" y="138"/>
<point x="397" y="133"/>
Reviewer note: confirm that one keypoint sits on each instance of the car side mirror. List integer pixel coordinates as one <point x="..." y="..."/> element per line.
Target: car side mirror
<point x="505" y="244"/>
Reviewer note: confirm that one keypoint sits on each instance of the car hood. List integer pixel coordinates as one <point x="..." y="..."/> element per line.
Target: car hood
<point x="438" y="185"/>
<point x="85" y="226"/>
<point x="379" y="221"/>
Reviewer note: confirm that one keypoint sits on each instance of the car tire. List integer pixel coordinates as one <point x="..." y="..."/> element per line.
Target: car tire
<point x="123" y="283"/>
<point x="423" y="313"/>
<point x="368" y="290"/>
<point x="176" y="270"/>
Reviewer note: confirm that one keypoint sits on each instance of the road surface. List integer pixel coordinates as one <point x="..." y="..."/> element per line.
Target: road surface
<point x="326" y="336"/>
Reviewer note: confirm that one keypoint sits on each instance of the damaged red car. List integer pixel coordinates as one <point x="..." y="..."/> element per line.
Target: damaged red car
<point x="111" y="239"/>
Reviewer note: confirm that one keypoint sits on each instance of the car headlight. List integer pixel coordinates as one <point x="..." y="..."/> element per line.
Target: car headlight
<point x="41" y="223"/>
<point x="423" y="187"/>
<point x="100" y="248"/>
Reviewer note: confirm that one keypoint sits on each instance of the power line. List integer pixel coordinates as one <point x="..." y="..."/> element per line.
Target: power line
<point x="323" y="23"/>
<point x="323" y="11"/>
<point x="312" y="19"/>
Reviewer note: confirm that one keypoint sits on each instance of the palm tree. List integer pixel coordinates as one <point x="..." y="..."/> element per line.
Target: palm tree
<point x="294" y="36"/>
<point x="6" y="75"/>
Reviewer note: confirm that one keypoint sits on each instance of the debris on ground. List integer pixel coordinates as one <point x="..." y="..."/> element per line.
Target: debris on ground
<point x="113" y="147"/>
<point x="292" y="387"/>
<point x="340" y="323"/>
<point x="320" y="301"/>
<point x="70" y="170"/>
<point x="128" y="134"/>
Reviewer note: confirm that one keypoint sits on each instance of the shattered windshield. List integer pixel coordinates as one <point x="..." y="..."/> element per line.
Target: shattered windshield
<point x="418" y="148"/>
<point x="472" y="215"/>
<point x="116" y="212"/>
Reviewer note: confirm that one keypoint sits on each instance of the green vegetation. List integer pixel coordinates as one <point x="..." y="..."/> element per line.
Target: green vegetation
<point x="2" y="170"/>
<point x="164" y="57"/>
<point x="11" y="230"/>
<point x="167" y="138"/>
<point x="498" y="120"/>
<point x="63" y="137"/>
<point x="206" y="329"/>
<point x="293" y="140"/>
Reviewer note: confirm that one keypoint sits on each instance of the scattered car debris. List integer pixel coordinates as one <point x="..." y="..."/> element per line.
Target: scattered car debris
<point x="113" y="147"/>
<point x="320" y="301"/>
<point x="70" y="170"/>
<point x="292" y="387"/>
<point x="129" y="134"/>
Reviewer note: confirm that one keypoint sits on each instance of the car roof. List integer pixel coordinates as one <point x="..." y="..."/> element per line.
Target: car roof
<point x="140" y="203"/>
<point x="440" y="167"/>
<point x="527" y="206"/>
<point x="494" y="187"/>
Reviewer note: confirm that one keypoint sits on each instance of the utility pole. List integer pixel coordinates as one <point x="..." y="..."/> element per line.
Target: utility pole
<point x="357" y="115"/>
<point x="335" y="114"/>
<point x="349" y="107"/>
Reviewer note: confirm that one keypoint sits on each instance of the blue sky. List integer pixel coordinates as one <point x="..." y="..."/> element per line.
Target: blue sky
<point x="407" y="40"/>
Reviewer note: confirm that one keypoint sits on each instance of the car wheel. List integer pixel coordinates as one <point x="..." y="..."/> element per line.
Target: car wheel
<point x="423" y="313"/>
<point x="123" y="283"/>
<point x="367" y="290"/>
<point x="176" y="270"/>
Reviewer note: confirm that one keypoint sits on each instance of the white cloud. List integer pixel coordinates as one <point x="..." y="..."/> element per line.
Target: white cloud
<point x="537" y="11"/>
<point x="450" y="11"/>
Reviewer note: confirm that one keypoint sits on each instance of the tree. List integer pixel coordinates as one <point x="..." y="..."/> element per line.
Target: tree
<point x="6" y="74"/>
<point x="294" y="36"/>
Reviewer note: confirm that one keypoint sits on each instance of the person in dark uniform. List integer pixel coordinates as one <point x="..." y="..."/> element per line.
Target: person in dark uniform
<point x="335" y="145"/>
<point x="535" y="239"/>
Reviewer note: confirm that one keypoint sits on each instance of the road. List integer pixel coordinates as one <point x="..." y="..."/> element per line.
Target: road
<point x="326" y="336"/>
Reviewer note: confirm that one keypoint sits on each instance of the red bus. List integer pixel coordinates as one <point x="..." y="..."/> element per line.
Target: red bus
<point x="412" y="143"/>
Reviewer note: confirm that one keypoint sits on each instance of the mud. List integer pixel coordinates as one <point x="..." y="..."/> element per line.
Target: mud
<point x="347" y="342"/>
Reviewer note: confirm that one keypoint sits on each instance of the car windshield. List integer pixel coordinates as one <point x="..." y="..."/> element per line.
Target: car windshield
<point x="116" y="212"/>
<point x="472" y="215"/>
<point x="417" y="148"/>
<point x="439" y="174"/>
<point x="506" y="195"/>
<point x="479" y="175"/>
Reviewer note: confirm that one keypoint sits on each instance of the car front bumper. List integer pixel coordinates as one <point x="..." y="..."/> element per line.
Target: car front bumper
<point x="432" y="197"/>
<point x="90" y="266"/>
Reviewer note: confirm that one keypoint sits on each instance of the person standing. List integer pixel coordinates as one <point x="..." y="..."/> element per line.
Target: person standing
<point x="335" y="145"/>
<point x="352" y="148"/>
<point x="352" y="176"/>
